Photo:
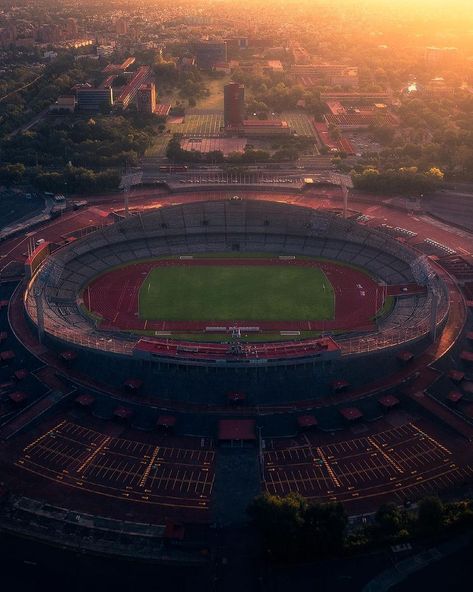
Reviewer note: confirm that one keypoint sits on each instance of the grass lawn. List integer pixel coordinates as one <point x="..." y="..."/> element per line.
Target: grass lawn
<point x="215" y="98"/>
<point x="225" y="293"/>
<point x="159" y="146"/>
<point x="247" y="337"/>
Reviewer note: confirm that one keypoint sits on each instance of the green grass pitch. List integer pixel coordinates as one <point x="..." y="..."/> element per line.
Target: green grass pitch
<point x="236" y="292"/>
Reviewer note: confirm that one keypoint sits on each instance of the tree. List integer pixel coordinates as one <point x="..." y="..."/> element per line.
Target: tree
<point x="50" y="181"/>
<point x="279" y="520"/>
<point x="431" y="515"/>
<point x="166" y="72"/>
<point x="383" y="133"/>
<point x="464" y="158"/>
<point x="405" y="180"/>
<point x="174" y="150"/>
<point x="12" y="174"/>
<point x="436" y="174"/>
<point x="293" y="529"/>
<point x="324" y="528"/>
<point x="389" y="519"/>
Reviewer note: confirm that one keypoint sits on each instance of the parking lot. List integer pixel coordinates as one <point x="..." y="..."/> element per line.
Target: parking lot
<point x="402" y="462"/>
<point x="171" y="475"/>
<point x="248" y="178"/>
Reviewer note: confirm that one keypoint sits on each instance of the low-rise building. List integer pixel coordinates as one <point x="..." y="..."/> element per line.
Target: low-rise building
<point x="257" y="128"/>
<point x="146" y="98"/>
<point x="92" y="99"/>
<point x="64" y="103"/>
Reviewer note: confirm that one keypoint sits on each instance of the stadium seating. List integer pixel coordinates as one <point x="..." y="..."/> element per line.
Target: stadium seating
<point x="225" y="226"/>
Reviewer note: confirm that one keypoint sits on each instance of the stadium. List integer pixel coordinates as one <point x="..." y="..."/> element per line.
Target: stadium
<point x="209" y="271"/>
<point x="160" y="369"/>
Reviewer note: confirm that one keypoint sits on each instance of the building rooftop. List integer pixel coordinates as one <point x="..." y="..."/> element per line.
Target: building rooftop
<point x="265" y="123"/>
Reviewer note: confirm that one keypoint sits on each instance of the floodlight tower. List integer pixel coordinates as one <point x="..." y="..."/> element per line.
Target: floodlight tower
<point x="346" y="183"/>
<point x="129" y="180"/>
<point x="433" y="313"/>
<point x="51" y="272"/>
<point x="38" y="298"/>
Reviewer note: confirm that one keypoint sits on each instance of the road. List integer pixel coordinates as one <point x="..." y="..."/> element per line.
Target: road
<point x="13" y="92"/>
<point x="453" y="206"/>
<point x="326" y="197"/>
<point x="214" y="175"/>
<point x="26" y="126"/>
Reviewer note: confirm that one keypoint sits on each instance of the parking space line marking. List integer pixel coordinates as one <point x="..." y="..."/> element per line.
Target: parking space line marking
<point x="390" y="460"/>
<point x="336" y="482"/>
<point x="149" y="467"/>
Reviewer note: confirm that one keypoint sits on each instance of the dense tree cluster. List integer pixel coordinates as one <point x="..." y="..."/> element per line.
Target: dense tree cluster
<point x="292" y="529"/>
<point x="432" y="517"/>
<point x="76" y="180"/>
<point x="12" y="174"/>
<point x="99" y="141"/>
<point x="433" y="133"/>
<point x="190" y="84"/>
<point x="283" y="150"/>
<point x="405" y="181"/>
<point x="276" y="92"/>
<point x="77" y="154"/>
<point x="53" y="80"/>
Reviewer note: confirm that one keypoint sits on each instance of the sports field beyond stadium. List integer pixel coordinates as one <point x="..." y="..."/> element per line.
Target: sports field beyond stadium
<point x="225" y="292"/>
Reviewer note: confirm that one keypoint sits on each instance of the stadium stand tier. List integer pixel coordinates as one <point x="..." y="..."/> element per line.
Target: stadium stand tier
<point x="235" y="226"/>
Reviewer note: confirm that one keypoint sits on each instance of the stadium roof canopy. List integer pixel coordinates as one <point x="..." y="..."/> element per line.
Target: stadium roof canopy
<point x="133" y="384"/>
<point x="455" y="396"/>
<point x="68" y="355"/>
<point x="456" y="375"/>
<point x="405" y="356"/>
<point x="388" y="401"/>
<point x="466" y="356"/>
<point x="85" y="400"/>
<point x="21" y="373"/>
<point x="166" y="421"/>
<point x="350" y="413"/>
<point x="307" y="421"/>
<point x="339" y="385"/>
<point x="123" y="412"/>
<point x="17" y="397"/>
<point x="237" y="429"/>
<point x="174" y="531"/>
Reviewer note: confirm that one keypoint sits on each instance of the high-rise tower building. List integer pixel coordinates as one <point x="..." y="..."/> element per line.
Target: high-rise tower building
<point x="146" y="98"/>
<point x="121" y="26"/>
<point x="72" y="28"/>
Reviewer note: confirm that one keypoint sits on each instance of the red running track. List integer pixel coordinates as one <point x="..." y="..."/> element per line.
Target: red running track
<point x="114" y="296"/>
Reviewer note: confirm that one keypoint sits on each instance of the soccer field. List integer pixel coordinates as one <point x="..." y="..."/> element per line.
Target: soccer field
<point x="236" y="292"/>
